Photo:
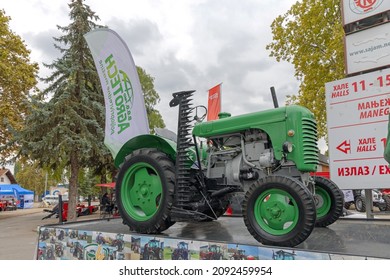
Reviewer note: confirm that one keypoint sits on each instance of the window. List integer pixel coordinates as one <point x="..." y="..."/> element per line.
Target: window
<point x="2" y="179"/>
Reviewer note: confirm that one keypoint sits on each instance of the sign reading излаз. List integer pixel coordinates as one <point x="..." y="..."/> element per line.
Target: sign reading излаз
<point x="355" y="10"/>
<point x="357" y="116"/>
<point x="368" y="49"/>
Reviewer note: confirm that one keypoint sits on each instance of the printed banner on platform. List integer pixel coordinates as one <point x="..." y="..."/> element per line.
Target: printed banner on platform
<point x="125" y="108"/>
<point x="56" y="243"/>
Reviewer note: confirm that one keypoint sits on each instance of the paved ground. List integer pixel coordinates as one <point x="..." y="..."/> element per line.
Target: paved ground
<point x="19" y="237"/>
<point x="18" y="232"/>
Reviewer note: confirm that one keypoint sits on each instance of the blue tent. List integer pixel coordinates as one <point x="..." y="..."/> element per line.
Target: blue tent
<point x="25" y="198"/>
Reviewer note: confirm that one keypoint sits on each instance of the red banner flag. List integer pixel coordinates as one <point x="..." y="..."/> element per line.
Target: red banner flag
<point x="214" y="103"/>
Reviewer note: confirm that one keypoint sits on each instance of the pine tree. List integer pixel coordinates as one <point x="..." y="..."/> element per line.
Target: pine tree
<point x="66" y="131"/>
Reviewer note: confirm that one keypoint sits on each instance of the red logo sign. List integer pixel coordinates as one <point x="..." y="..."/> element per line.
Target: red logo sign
<point x="364" y="6"/>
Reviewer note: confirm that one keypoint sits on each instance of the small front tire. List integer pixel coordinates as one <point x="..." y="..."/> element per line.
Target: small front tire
<point x="360" y="204"/>
<point x="279" y="211"/>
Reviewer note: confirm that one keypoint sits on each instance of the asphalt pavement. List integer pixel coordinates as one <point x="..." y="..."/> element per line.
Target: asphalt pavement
<point x="19" y="231"/>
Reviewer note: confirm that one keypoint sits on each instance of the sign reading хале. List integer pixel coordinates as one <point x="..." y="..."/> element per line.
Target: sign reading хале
<point x="357" y="114"/>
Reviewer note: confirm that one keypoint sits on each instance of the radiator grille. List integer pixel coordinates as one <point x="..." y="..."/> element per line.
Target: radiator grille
<point x="309" y="138"/>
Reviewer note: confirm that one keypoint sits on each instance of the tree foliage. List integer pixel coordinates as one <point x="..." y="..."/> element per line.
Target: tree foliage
<point x="66" y="132"/>
<point x="87" y="183"/>
<point x="32" y="177"/>
<point x="310" y="36"/>
<point x="17" y="78"/>
<point x="151" y="98"/>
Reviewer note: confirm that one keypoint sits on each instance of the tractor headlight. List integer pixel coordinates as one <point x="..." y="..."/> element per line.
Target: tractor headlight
<point x="287" y="147"/>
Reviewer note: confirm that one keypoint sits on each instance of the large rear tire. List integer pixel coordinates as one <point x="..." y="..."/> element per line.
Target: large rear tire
<point x="279" y="211"/>
<point x="329" y="201"/>
<point x="144" y="191"/>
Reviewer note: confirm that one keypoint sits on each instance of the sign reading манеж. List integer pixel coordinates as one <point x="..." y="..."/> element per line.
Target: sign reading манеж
<point x="357" y="114"/>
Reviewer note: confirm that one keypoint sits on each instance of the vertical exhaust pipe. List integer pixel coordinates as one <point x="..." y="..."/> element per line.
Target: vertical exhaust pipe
<point x="274" y="98"/>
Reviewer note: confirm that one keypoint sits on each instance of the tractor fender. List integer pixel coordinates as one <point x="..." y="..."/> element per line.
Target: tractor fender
<point x="146" y="141"/>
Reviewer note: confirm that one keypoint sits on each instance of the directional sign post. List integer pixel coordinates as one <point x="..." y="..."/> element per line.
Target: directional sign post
<point x="357" y="110"/>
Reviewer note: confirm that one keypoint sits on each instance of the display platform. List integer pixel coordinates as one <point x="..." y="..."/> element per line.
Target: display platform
<point x="226" y="238"/>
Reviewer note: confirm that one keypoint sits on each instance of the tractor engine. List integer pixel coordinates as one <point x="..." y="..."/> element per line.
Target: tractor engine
<point x="240" y="157"/>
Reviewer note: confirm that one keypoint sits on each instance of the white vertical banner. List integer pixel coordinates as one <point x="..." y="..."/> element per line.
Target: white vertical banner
<point x="125" y="106"/>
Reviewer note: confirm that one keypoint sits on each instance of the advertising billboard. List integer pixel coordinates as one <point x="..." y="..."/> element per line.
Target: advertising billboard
<point x="368" y="49"/>
<point x="355" y="10"/>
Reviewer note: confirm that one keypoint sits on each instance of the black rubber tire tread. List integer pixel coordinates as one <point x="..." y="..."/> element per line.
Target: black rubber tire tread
<point x="360" y="200"/>
<point x="337" y="201"/>
<point x="166" y="171"/>
<point x="347" y="205"/>
<point x="386" y="206"/>
<point x="305" y="203"/>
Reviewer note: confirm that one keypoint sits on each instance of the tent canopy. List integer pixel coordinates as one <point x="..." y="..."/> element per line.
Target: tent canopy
<point x="25" y="198"/>
<point x="14" y="189"/>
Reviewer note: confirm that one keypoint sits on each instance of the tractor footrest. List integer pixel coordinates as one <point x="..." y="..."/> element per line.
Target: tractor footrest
<point x="185" y="215"/>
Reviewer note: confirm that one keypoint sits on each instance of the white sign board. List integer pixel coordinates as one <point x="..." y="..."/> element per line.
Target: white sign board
<point x="355" y="10"/>
<point x="368" y="49"/>
<point x="357" y="115"/>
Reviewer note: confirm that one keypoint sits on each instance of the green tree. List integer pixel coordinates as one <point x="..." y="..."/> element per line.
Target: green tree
<point x="87" y="183"/>
<point x="32" y="177"/>
<point x="151" y="98"/>
<point x="66" y="132"/>
<point x="310" y="36"/>
<point x="17" y="79"/>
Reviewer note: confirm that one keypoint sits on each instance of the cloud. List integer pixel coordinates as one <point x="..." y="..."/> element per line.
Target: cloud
<point x="141" y="35"/>
<point x="183" y="45"/>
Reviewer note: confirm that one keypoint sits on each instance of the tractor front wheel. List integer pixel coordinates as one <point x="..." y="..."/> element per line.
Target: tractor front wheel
<point x="279" y="211"/>
<point x="360" y="203"/>
<point x="329" y="201"/>
<point x="145" y="189"/>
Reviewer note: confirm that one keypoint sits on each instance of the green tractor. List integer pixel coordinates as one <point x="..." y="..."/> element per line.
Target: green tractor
<point x="191" y="177"/>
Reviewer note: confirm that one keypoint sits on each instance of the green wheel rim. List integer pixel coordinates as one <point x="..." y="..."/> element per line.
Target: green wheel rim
<point x="323" y="201"/>
<point x="141" y="191"/>
<point x="276" y="212"/>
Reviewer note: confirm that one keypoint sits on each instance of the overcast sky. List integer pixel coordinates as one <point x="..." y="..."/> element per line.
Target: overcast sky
<point x="186" y="44"/>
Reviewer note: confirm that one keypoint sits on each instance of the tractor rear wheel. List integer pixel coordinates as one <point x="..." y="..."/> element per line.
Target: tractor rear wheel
<point x="144" y="190"/>
<point x="279" y="211"/>
<point x="329" y="201"/>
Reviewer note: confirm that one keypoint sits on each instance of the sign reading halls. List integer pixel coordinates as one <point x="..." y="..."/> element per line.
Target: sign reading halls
<point x="357" y="115"/>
